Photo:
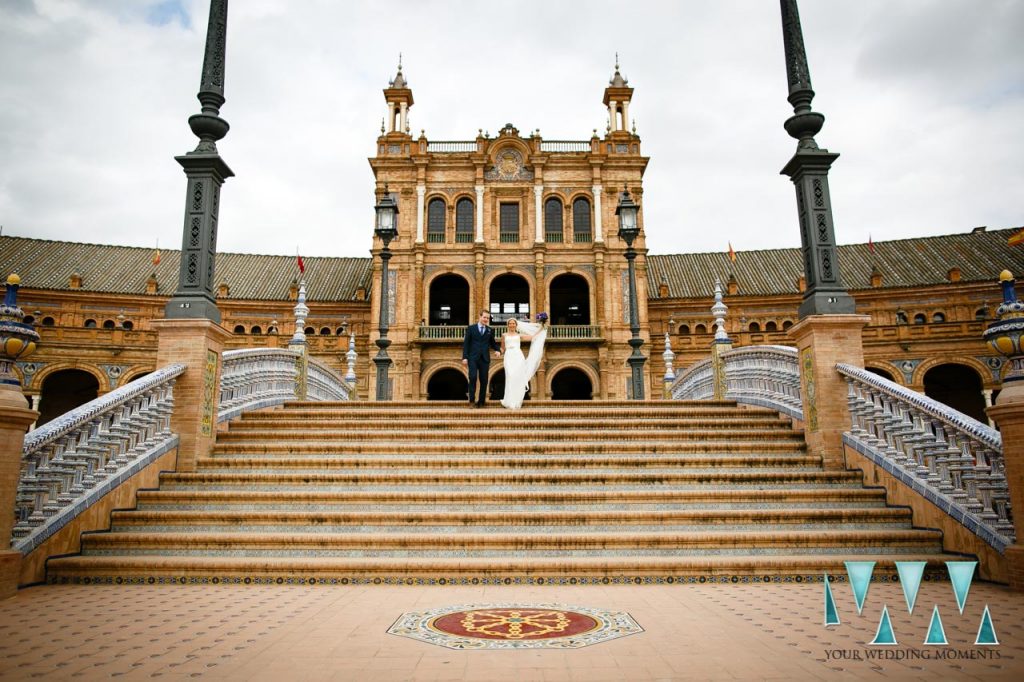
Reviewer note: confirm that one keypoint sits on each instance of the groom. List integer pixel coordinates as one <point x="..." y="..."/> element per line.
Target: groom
<point x="478" y="340"/>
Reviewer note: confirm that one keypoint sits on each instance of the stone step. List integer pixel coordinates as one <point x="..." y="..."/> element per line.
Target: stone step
<point x="501" y="447"/>
<point x="453" y="500"/>
<point x="635" y="569"/>
<point x="714" y="542"/>
<point x="522" y="464"/>
<point x="285" y="422"/>
<point x="300" y="520"/>
<point x="553" y="438"/>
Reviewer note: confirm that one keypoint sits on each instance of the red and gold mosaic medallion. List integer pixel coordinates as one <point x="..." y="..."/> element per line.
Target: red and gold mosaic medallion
<point x="514" y="626"/>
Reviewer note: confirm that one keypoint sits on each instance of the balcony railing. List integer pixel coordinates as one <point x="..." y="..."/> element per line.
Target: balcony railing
<point x="509" y="238"/>
<point x="452" y="147"/>
<point x="565" y="146"/>
<point x="556" y="332"/>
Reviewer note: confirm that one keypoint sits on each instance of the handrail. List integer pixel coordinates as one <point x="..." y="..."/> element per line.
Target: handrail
<point x="768" y="376"/>
<point x="452" y="146"/>
<point x="72" y="461"/>
<point x="955" y="461"/>
<point x="696" y="382"/>
<point x="253" y="378"/>
<point x="565" y="145"/>
<point x="323" y="383"/>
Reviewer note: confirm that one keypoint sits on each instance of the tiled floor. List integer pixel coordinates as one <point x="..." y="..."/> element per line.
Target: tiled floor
<point x="720" y="632"/>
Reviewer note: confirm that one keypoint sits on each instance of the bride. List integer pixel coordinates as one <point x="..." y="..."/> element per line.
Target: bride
<point x="519" y="369"/>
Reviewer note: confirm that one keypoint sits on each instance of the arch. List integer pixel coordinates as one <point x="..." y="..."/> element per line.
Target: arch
<point x="464" y="219"/>
<point x="309" y="331"/>
<point x="920" y="318"/>
<point x="340" y="331"/>
<point x="509" y="296"/>
<point x="128" y="325"/>
<point x="90" y="324"/>
<point x="448" y="300"/>
<point x="958" y="386"/>
<point x="684" y="329"/>
<point x="48" y="321"/>
<point x="771" y="326"/>
<point x="582" y="219"/>
<point x="978" y="366"/>
<point x="569" y="299"/>
<point x="325" y="331"/>
<point x="436" y="217"/>
<point x="754" y="327"/>
<point x="446" y="383"/>
<point x="554" y="212"/>
<point x="64" y="390"/>
<point x="938" y="316"/>
<point x="40" y="376"/>
<point x="981" y="314"/>
<point x="239" y="329"/>
<point x="700" y="329"/>
<point x="109" y="324"/>
<point x="28" y="319"/>
<point x="886" y="370"/>
<point x="884" y="373"/>
<point x="256" y="329"/>
<point x="786" y="324"/>
<point x="133" y="374"/>
<point x="572" y="382"/>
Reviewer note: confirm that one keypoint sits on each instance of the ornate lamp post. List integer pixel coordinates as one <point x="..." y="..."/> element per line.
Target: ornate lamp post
<point x="386" y="229"/>
<point x="629" y="228"/>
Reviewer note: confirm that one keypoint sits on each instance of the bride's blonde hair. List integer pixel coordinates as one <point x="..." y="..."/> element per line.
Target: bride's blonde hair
<point x="512" y="320"/>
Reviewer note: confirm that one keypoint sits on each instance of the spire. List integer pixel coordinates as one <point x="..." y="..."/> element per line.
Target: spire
<point x="398" y="97"/>
<point x="804" y="124"/>
<point x="617" y="97"/>
<point x="398" y="82"/>
<point x="617" y="81"/>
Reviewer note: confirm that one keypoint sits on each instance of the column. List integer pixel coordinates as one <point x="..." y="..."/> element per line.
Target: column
<point x="402" y="114"/>
<point x="598" y="216"/>
<point x="612" y="108"/>
<point x="15" y="417"/>
<point x="625" y="115"/>
<point x="987" y="395"/>
<point x="538" y="195"/>
<point x="391" y="118"/>
<point x="421" y="192"/>
<point x="479" y="212"/>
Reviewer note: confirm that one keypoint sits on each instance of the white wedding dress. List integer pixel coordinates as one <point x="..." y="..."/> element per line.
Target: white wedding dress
<point x="520" y="369"/>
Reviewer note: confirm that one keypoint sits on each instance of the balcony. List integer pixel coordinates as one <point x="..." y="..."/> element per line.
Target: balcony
<point x="557" y="333"/>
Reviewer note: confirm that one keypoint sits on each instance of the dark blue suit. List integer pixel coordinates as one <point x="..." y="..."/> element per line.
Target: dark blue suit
<point x="476" y="349"/>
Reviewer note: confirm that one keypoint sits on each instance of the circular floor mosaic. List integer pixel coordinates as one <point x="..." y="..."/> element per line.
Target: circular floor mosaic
<point x="514" y="626"/>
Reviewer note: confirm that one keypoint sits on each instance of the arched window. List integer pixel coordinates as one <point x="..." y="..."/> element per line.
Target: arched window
<point x="127" y="324"/>
<point x="29" y="319"/>
<point x="938" y="317"/>
<point x="684" y="329"/>
<point x="90" y="324"/>
<point x="920" y="318"/>
<point x="239" y="329"/>
<point x="901" y="317"/>
<point x="771" y="326"/>
<point x="271" y="329"/>
<point x="981" y="314"/>
<point x="325" y="331"/>
<point x="581" y="220"/>
<point x="309" y="331"/>
<point x="48" y="322"/>
<point x="553" y="220"/>
<point x="755" y="327"/>
<point x="700" y="329"/>
<point x="108" y="324"/>
<point x="340" y="331"/>
<point x="256" y="330"/>
<point x="787" y="324"/>
<point x="435" y="220"/>
<point x="464" y="220"/>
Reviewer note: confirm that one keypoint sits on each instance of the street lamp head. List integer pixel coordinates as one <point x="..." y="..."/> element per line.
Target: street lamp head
<point x="387" y="217"/>
<point x="627" y="212"/>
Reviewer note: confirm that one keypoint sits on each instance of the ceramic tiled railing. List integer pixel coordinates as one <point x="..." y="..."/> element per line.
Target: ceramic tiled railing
<point x="696" y="382"/>
<point x="755" y="375"/>
<point x="72" y="461"/>
<point x="954" y="461"/>
<point x="326" y="384"/>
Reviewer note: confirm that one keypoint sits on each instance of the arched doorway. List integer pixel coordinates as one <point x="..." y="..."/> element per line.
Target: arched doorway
<point x="571" y="384"/>
<point x="510" y="297"/>
<point x="447" y="384"/>
<point x="959" y="387"/>
<point x="65" y="390"/>
<point x="570" y="300"/>
<point x="881" y="372"/>
<point x="449" y="301"/>
<point x="496" y="389"/>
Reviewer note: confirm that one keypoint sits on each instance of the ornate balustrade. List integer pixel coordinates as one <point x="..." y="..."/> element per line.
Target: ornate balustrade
<point x="768" y="376"/>
<point x="696" y="382"/>
<point x="254" y="378"/>
<point x="323" y="383"/>
<point x="556" y="332"/>
<point x="574" y="332"/>
<point x="74" y="460"/>
<point x="452" y="147"/>
<point x="952" y="460"/>
<point x="437" y="332"/>
<point x="565" y="146"/>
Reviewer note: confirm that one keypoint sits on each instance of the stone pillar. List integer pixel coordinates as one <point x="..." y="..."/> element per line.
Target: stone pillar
<point x="199" y="344"/>
<point x="1008" y="412"/>
<point x="15" y="418"/>
<point x="479" y="212"/>
<point x="403" y="117"/>
<point x="822" y="341"/>
<point x="598" y="232"/>
<point x="421" y="192"/>
<point x="538" y="193"/>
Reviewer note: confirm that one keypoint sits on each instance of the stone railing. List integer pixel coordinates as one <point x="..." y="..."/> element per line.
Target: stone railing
<point x="452" y="147"/>
<point x="696" y="382"/>
<point x="556" y="332"/>
<point x="574" y="332"/>
<point x="437" y="332"/>
<point x="254" y="378"/>
<point x="74" y="460"/>
<point x="952" y="460"/>
<point x="565" y="146"/>
<point x="756" y="375"/>
<point x="323" y="383"/>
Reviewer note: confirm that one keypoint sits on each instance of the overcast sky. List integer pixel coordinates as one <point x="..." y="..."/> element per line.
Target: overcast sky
<point x="924" y="100"/>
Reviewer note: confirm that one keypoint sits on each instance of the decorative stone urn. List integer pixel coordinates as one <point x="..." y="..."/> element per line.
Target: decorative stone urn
<point x="1004" y="335"/>
<point x="17" y="339"/>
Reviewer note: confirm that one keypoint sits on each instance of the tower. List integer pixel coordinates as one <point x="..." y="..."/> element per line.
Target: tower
<point x="399" y="99"/>
<point x="617" y="97"/>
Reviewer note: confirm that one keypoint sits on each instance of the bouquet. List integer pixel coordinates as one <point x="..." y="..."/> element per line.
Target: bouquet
<point x="542" y="317"/>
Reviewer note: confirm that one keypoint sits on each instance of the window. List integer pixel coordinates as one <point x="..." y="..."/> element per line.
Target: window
<point x="325" y="331"/>
<point x="340" y="331"/>
<point x="435" y="220"/>
<point x="48" y="322"/>
<point x="920" y="318"/>
<point x="553" y="220"/>
<point x="901" y="317"/>
<point x="771" y="326"/>
<point x="787" y="324"/>
<point x="981" y="314"/>
<point x="256" y="330"/>
<point x="309" y="331"/>
<point x="90" y="324"/>
<point x="127" y="324"/>
<point x="939" y="317"/>
<point x="28" y="319"/>
<point x="464" y="220"/>
<point x="684" y="329"/>
<point x="755" y="327"/>
<point x="108" y="324"/>
<point x="239" y="329"/>
<point x="581" y="220"/>
<point x="508" y="217"/>
<point x="700" y="329"/>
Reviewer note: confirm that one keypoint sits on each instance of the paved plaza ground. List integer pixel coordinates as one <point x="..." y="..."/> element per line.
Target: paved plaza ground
<point x="704" y="632"/>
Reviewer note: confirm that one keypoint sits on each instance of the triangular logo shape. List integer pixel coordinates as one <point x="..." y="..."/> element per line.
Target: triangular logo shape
<point x="986" y="631"/>
<point x="960" y="574"/>
<point x="859" y="573"/>
<point x="831" y="613"/>
<point x="911" y="573"/>
<point x="936" y="633"/>
<point x="884" y="636"/>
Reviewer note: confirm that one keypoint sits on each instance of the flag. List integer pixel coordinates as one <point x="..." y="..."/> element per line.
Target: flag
<point x="871" y="244"/>
<point x="156" y="257"/>
<point x="732" y="254"/>
<point x="301" y="263"/>
<point x="1016" y="238"/>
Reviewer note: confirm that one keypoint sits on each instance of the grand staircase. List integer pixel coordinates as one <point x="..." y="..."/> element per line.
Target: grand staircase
<point x="436" y="492"/>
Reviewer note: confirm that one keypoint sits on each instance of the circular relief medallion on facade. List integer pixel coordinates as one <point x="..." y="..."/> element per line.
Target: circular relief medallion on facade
<point x="514" y="626"/>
